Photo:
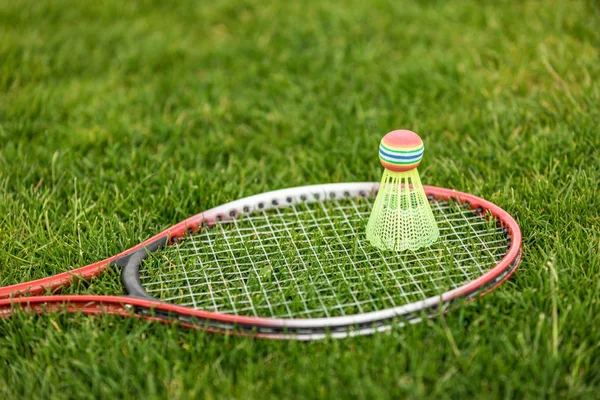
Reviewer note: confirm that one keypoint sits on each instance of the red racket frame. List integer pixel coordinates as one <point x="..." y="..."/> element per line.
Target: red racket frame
<point x="11" y="296"/>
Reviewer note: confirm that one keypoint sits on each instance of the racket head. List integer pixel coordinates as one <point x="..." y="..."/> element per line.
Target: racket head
<point x="144" y="305"/>
<point x="291" y="199"/>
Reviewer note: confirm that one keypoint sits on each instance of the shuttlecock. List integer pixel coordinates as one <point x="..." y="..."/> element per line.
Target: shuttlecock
<point x="401" y="218"/>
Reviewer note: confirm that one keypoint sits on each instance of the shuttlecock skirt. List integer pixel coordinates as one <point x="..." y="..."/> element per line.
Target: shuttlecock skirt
<point x="401" y="218"/>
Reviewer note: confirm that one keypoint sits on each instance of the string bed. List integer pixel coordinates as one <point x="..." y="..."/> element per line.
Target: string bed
<point x="312" y="260"/>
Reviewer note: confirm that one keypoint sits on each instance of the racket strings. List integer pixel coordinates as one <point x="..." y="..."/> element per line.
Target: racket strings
<point x="312" y="260"/>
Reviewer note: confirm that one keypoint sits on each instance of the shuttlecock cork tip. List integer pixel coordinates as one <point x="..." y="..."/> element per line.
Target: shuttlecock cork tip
<point x="401" y="150"/>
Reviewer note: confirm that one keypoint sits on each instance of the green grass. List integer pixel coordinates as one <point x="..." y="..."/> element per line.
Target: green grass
<point x="118" y="119"/>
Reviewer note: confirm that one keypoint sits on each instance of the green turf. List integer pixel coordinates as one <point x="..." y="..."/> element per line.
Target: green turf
<point x="118" y="119"/>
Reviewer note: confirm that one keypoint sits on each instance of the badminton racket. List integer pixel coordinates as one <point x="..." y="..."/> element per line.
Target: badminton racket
<point x="294" y="264"/>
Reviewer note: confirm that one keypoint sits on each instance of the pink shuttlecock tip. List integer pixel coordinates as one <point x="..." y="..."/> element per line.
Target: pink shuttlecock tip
<point x="401" y="150"/>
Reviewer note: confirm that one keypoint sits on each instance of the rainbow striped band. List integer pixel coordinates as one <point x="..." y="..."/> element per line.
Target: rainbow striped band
<point x="406" y="158"/>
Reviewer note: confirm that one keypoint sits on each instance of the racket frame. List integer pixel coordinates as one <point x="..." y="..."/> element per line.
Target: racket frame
<point x="138" y="303"/>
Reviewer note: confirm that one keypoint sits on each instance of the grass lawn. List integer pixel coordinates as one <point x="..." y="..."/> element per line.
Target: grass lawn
<point x="118" y="119"/>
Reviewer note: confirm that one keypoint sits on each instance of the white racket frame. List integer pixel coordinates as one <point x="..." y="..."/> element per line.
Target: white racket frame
<point x="358" y="324"/>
